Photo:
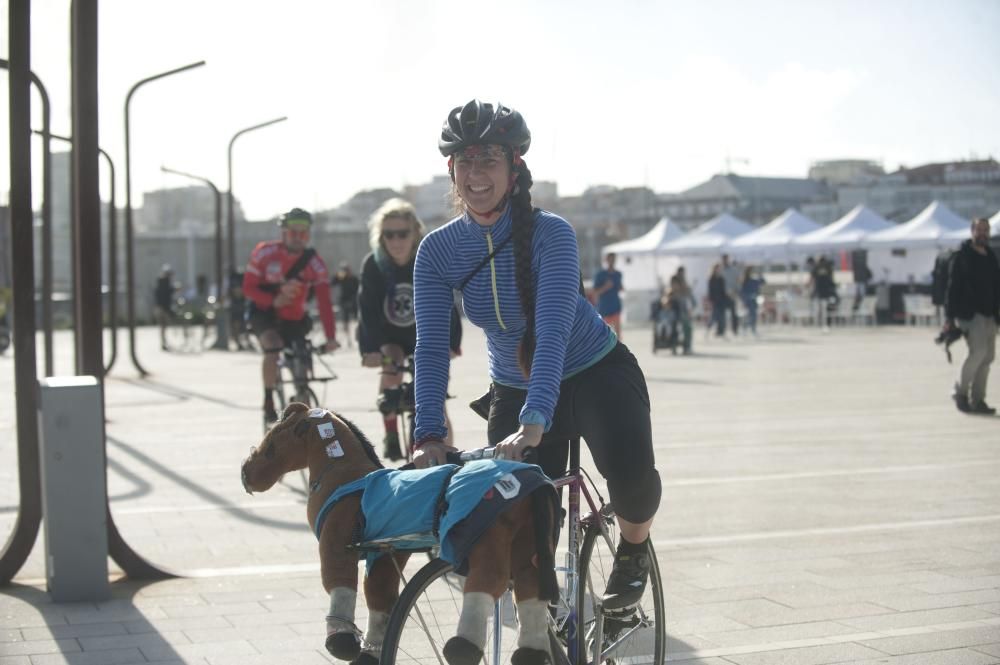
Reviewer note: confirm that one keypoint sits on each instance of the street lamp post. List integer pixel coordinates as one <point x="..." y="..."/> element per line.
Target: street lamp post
<point x="230" y="215"/>
<point x="129" y="238"/>
<point x="112" y="250"/>
<point x="221" y="300"/>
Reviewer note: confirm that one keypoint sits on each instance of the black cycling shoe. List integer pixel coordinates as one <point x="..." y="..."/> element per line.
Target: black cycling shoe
<point x="390" y="447"/>
<point x="982" y="407"/>
<point x="627" y="581"/>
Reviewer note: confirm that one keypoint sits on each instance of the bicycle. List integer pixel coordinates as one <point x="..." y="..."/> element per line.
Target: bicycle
<point x="295" y="370"/>
<point x="401" y="401"/>
<point x="580" y="631"/>
<point x="185" y="317"/>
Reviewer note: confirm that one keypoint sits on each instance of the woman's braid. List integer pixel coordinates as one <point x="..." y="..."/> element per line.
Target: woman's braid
<point x="523" y="229"/>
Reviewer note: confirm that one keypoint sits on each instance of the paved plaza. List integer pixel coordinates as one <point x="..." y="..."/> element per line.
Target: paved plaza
<point x="824" y="502"/>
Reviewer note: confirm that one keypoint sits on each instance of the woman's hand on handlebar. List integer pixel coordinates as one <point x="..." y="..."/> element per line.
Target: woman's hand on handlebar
<point x="432" y="453"/>
<point x="515" y="445"/>
<point x="371" y="359"/>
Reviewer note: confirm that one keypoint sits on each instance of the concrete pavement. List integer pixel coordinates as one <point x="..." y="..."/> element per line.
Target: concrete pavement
<point x="824" y="502"/>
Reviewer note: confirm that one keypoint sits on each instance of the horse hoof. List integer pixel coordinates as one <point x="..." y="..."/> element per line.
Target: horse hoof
<point x="527" y="656"/>
<point x="343" y="646"/>
<point x="365" y="659"/>
<point x="460" y="651"/>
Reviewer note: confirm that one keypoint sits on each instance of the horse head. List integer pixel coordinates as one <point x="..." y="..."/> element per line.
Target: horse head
<point x="334" y="450"/>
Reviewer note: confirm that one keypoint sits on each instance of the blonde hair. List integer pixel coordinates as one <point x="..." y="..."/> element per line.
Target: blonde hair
<point x="396" y="208"/>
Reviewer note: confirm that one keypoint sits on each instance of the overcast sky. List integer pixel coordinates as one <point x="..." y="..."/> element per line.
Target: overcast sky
<point x="624" y="93"/>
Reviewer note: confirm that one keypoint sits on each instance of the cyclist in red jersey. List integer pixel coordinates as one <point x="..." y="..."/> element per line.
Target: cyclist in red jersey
<point x="277" y="283"/>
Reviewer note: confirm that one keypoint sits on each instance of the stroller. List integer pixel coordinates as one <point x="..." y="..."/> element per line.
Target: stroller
<point x="666" y="324"/>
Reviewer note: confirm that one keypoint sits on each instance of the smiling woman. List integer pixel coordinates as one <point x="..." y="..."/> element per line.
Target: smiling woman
<point x="558" y="371"/>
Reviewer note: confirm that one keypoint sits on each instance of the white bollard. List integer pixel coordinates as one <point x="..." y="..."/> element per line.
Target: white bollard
<point x="74" y="488"/>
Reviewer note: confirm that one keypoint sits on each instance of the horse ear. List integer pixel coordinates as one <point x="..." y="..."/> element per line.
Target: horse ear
<point x="301" y="427"/>
<point x="293" y="408"/>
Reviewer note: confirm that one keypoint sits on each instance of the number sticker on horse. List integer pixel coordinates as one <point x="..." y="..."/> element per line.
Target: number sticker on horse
<point x="334" y="449"/>
<point x="508" y="486"/>
<point x="326" y="430"/>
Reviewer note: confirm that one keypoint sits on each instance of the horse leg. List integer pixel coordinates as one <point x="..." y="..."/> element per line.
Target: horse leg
<point x="532" y="612"/>
<point x="339" y="571"/>
<point x="381" y="593"/>
<point x="489" y="571"/>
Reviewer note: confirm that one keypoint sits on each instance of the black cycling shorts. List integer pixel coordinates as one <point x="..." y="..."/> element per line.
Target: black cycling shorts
<point x="607" y="405"/>
<point x="262" y="320"/>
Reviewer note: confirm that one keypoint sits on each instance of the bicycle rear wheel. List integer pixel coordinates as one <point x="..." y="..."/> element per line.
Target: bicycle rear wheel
<point x="426" y="616"/>
<point x="633" y="637"/>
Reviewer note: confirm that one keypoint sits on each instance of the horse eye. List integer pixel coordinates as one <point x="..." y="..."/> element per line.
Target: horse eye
<point x="301" y="427"/>
<point x="269" y="452"/>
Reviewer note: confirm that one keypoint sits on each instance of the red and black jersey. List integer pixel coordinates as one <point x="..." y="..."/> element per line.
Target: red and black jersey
<point x="269" y="262"/>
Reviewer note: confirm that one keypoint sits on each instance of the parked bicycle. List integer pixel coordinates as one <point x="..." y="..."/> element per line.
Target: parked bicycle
<point x="580" y="631"/>
<point x="191" y="324"/>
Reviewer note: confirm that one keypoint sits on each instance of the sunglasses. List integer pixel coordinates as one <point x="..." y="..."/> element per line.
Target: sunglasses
<point x="401" y="234"/>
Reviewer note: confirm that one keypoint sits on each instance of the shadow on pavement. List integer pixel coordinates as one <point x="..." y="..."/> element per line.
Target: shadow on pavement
<point x="109" y="631"/>
<point x="181" y="394"/>
<point x="207" y="495"/>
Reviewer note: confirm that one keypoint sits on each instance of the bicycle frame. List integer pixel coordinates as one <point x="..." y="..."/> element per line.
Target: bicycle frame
<point x="574" y="480"/>
<point x="297" y="358"/>
<point x="402" y="401"/>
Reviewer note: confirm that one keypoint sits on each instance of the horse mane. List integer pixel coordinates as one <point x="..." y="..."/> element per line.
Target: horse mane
<point x="366" y="445"/>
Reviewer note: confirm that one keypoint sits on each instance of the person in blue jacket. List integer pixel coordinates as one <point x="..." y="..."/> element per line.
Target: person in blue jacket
<point x="558" y="371"/>
<point x="607" y="289"/>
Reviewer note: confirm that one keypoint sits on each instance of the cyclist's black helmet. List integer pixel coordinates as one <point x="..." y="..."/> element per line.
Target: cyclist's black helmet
<point x="295" y="215"/>
<point x="477" y="123"/>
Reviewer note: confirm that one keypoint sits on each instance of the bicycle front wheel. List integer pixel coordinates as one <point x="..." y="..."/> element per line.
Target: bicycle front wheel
<point x="634" y="637"/>
<point x="426" y="616"/>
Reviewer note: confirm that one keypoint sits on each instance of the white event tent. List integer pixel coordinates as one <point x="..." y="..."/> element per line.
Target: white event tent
<point x="906" y="253"/>
<point x="773" y="241"/>
<point x="638" y="259"/>
<point x="702" y="247"/>
<point x="844" y="234"/>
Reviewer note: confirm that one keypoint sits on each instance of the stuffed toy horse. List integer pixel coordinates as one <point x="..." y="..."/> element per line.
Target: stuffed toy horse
<point x="478" y="511"/>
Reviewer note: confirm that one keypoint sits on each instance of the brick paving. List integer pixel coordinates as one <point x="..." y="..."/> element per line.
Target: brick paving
<point x="823" y="502"/>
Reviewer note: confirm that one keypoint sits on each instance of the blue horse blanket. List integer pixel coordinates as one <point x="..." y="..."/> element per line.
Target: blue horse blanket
<point x="396" y="503"/>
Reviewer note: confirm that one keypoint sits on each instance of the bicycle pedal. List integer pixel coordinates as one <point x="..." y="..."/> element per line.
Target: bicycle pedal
<point x="625" y="617"/>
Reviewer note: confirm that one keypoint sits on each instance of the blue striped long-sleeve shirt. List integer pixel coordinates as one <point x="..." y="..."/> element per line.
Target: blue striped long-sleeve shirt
<point x="570" y="335"/>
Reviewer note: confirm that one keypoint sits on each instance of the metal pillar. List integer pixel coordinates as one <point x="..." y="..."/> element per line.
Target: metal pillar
<point x="29" y="508"/>
<point x="46" y="217"/>
<point x="87" y="221"/>
<point x="112" y="252"/>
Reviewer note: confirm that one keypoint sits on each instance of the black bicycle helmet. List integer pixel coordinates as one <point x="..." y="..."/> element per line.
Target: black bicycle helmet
<point x="477" y="123"/>
<point x="295" y="215"/>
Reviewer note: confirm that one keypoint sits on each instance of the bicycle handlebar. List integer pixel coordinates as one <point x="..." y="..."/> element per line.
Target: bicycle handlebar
<point x="464" y="456"/>
<point x="530" y="456"/>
